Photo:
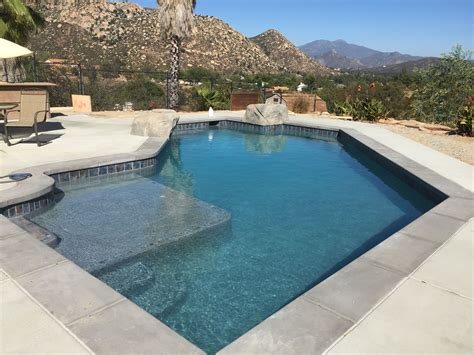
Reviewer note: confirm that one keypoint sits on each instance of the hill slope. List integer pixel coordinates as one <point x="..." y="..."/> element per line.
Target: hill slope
<point x="408" y="66"/>
<point x="98" y="32"/>
<point x="333" y="59"/>
<point x="286" y="55"/>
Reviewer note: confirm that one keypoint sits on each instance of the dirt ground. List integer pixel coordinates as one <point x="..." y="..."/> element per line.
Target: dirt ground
<point x="461" y="148"/>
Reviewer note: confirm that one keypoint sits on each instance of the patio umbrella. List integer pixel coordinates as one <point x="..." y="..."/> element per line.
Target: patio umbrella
<point x="11" y="50"/>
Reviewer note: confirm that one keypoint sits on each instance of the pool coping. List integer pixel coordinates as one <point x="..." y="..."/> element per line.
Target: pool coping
<point x="310" y="323"/>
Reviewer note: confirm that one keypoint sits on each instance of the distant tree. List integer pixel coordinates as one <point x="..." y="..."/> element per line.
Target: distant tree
<point x="443" y="88"/>
<point x="176" y="23"/>
<point x="18" y="21"/>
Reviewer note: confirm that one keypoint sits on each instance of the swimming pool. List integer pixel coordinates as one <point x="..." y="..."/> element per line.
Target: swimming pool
<point x="231" y="226"/>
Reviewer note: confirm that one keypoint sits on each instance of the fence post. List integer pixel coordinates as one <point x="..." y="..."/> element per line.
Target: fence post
<point x="167" y="90"/>
<point x="35" y="70"/>
<point x="81" y="79"/>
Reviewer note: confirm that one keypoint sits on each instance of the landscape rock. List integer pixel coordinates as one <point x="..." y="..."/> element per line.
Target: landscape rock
<point x="156" y="123"/>
<point x="266" y="114"/>
<point x="421" y="126"/>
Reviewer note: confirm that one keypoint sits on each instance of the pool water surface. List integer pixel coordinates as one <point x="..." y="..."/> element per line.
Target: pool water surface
<point x="231" y="227"/>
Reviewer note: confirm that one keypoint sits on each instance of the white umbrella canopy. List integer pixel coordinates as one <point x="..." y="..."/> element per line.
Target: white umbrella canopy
<point x="12" y="50"/>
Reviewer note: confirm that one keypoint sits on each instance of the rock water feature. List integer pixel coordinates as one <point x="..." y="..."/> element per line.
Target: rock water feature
<point x="157" y="123"/>
<point x="266" y="114"/>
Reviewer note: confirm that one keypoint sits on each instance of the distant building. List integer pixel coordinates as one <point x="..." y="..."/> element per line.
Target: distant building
<point x="301" y="87"/>
<point x="55" y="61"/>
<point x="275" y="99"/>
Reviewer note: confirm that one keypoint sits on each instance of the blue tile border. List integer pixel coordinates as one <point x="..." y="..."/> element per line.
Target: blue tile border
<point x="248" y="127"/>
<point x="103" y="170"/>
<point x="26" y="208"/>
<point x="190" y="126"/>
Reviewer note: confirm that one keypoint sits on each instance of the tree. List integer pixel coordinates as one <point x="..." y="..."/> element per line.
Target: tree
<point x="176" y="23"/>
<point x="443" y="88"/>
<point x="18" y="21"/>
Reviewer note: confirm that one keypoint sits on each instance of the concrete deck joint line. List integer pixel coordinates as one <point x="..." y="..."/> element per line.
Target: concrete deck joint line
<point x="329" y="309"/>
<point x="71" y="323"/>
<point x="442" y="288"/>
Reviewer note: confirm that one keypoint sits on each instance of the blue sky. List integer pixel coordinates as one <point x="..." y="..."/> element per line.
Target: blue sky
<point x="418" y="27"/>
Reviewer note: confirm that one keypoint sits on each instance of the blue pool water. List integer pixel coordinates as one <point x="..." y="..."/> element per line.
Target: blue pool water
<point x="256" y="221"/>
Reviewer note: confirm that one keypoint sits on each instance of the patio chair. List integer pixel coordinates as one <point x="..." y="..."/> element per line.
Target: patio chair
<point x="34" y="109"/>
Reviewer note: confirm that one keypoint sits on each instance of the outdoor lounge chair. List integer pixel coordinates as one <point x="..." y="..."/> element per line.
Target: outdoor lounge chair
<point x="34" y="109"/>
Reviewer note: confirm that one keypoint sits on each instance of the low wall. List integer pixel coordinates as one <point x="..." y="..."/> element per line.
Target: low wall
<point x="240" y="100"/>
<point x="315" y="103"/>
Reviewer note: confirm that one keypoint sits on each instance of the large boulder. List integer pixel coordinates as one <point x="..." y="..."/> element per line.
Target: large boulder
<point x="156" y="123"/>
<point x="266" y="114"/>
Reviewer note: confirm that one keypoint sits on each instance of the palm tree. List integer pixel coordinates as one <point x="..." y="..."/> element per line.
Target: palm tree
<point x="176" y="23"/>
<point x="18" y="21"/>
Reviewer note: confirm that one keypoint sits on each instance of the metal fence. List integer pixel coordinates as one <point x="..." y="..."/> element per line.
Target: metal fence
<point x="112" y="87"/>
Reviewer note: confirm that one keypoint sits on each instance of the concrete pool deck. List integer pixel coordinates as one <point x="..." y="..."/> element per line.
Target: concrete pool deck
<point x="425" y="310"/>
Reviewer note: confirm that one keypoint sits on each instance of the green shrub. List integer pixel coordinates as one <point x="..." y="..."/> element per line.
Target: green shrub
<point x="366" y="110"/>
<point x="465" y="120"/>
<point x="301" y="105"/>
<point x="374" y="110"/>
<point x="143" y="93"/>
<point x="443" y="88"/>
<point x="213" y="98"/>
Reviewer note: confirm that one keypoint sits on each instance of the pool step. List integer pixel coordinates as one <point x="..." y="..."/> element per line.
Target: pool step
<point x="136" y="281"/>
<point x="129" y="279"/>
<point x="41" y="233"/>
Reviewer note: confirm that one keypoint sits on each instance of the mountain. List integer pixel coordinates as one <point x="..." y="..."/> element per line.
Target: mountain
<point x="333" y="59"/>
<point x="408" y="66"/>
<point x="352" y="51"/>
<point x="98" y="32"/>
<point x="340" y="54"/>
<point x="286" y="55"/>
<point x="384" y="58"/>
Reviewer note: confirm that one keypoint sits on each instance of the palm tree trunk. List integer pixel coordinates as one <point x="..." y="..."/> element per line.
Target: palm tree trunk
<point x="174" y="73"/>
<point x="4" y="70"/>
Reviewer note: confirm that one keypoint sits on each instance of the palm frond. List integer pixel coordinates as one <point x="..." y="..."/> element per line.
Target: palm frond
<point x="18" y="21"/>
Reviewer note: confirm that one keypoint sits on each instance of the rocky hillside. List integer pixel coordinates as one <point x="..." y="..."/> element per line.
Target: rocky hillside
<point x="286" y="55"/>
<point x="125" y="34"/>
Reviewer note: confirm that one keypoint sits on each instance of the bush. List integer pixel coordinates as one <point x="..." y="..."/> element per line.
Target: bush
<point x="143" y="93"/>
<point x="444" y="87"/>
<point x="301" y="105"/>
<point x="465" y="119"/>
<point x="366" y="110"/>
<point x="213" y="98"/>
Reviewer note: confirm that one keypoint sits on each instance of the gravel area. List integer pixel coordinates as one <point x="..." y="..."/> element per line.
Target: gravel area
<point x="461" y="148"/>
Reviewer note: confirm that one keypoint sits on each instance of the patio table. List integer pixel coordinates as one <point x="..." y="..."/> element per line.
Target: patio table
<point x="4" y="107"/>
